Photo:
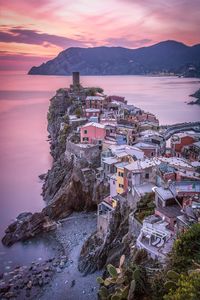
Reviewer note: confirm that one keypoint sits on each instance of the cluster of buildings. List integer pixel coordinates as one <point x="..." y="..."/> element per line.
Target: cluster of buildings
<point x="173" y="186"/>
<point x="186" y="144"/>
<point x="160" y="185"/>
<point x="113" y="122"/>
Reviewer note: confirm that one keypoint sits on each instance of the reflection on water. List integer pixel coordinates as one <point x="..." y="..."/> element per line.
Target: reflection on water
<point x="24" y="151"/>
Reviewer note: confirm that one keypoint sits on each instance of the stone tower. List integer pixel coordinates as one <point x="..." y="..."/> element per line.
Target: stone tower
<point x="76" y="79"/>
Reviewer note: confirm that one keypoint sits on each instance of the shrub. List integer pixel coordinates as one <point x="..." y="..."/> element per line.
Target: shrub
<point x="187" y="288"/>
<point x="186" y="249"/>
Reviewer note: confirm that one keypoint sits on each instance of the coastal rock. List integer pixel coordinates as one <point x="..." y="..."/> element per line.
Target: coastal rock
<point x="10" y="295"/>
<point x="42" y="176"/>
<point x="197" y="96"/>
<point x="27" y="225"/>
<point x="29" y="282"/>
<point x="4" y="287"/>
<point x="23" y="216"/>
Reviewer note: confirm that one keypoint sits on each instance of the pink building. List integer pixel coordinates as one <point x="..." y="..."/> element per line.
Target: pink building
<point x="92" y="133"/>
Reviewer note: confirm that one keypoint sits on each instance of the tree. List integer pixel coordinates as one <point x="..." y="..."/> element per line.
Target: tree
<point x="93" y="90"/>
<point x="186" y="249"/>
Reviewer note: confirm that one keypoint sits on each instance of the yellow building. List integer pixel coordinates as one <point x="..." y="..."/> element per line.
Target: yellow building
<point x="120" y="177"/>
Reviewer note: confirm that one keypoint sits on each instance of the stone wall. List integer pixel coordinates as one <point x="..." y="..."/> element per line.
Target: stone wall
<point x="103" y="223"/>
<point x="79" y="152"/>
<point x="134" y="225"/>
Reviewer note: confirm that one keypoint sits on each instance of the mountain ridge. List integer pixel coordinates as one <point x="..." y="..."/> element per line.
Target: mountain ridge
<point x="164" y="57"/>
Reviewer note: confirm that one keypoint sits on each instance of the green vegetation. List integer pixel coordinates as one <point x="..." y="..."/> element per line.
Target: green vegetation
<point x="128" y="281"/>
<point x="78" y="112"/>
<point x="145" y="207"/>
<point x="65" y="119"/>
<point x="186" y="250"/>
<point x="63" y="137"/>
<point x="93" y="90"/>
<point x="181" y="279"/>
<point x="60" y="90"/>
<point x="51" y="115"/>
<point x="186" y="288"/>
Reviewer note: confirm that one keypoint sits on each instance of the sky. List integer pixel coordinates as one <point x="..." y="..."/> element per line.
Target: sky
<point x="34" y="31"/>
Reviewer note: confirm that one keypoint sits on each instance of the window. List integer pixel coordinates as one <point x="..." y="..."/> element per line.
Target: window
<point x="113" y="182"/>
<point x="85" y="131"/>
<point x="147" y="175"/>
<point x="120" y="174"/>
<point x="121" y="185"/>
<point x="85" y="139"/>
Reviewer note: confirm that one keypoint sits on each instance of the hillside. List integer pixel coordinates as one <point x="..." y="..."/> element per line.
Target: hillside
<point x="168" y="56"/>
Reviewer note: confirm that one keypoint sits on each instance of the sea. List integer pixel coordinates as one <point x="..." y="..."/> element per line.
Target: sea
<point x="24" y="149"/>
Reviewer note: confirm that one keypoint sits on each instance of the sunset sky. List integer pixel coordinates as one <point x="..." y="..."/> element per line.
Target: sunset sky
<point x="34" y="31"/>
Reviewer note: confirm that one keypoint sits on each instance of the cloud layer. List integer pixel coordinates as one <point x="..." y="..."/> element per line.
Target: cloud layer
<point x="41" y="29"/>
<point x="28" y="36"/>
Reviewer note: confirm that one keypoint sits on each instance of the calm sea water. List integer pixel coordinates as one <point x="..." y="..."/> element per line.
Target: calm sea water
<point x="24" y="151"/>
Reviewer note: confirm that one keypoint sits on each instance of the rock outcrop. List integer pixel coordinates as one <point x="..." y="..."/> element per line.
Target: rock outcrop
<point x="197" y="96"/>
<point x="27" y="225"/>
<point x="100" y="250"/>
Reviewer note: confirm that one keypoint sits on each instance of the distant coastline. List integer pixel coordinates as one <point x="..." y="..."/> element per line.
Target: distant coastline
<point x="168" y="58"/>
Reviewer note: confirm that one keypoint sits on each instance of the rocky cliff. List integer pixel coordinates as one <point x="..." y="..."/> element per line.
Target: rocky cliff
<point x="70" y="185"/>
<point x="100" y="250"/>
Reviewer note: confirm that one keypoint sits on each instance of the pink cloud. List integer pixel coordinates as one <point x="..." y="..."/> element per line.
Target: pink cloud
<point x="127" y="42"/>
<point x="54" y="25"/>
<point x="28" y="36"/>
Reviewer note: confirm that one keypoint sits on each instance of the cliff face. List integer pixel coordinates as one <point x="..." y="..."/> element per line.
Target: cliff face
<point x="70" y="185"/>
<point x="67" y="182"/>
<point x="100" y="250"/>
<point x="57" y="115"/>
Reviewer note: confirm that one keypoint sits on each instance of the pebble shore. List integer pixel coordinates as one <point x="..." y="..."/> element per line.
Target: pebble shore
<point x="57" y="277"/>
